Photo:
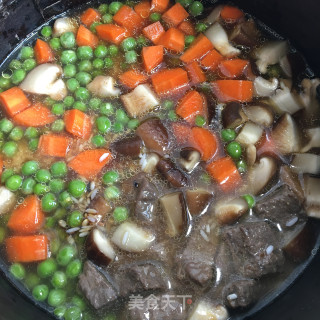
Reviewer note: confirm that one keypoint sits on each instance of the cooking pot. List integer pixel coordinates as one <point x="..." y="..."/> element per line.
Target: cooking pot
<point x="298" y="297"/>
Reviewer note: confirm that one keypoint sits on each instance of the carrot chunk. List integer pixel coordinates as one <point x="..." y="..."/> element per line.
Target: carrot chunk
<point x="173" y="40"/>
<point x="14" y="101"/>
<point x="90" y="16"/>
<point x="153" y="32"/>
<point x="90" y="162"/>
<point x="43" y="52"/>
<point x="168" y="80"/>
<point x="205" y="141"/>
<point x="143" y="9"/>
<point x="231" y="14"/>
<point x="181" y="131"/>
<point x="175" y="15"/>
<point x="27" y="248"/>
<point x="132" y="78"/>
<point x="36" y="116"/>
<point x="78" y="123"/>
<point x="195" y="73"/>
<point x="233" y="90"/>
<point x="199" y="47"/>
<point x="53" y="145"/>
<point x="187" y="28"/>
<point x="212" y="60"/>
<point x="225" y="173"/>
<point x="86" y="38"/>
<point x="111" y="33"/>
<point x="126" y="17"/>
<point x="159" y="5"/>
<point x="152" y="57"/>
<point x="28" y="217"/>
<point x="233" y="68"/>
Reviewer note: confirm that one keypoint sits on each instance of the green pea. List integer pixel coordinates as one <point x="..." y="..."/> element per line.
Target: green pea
<point x="74" y="268"/>
<point x="59" y="280"/>
<point x="120" y="214"/>
<point x="118" y="127"/>
<point x="103" y="8"/>
<point x="58" y="109"/>
<point x="7" y="173"/>
<point x="201" y="27"/>
<point x="131" y="56"/>
<point x="50" y="223"/>
<point x="101" y="51"/>
<point x="142" y="41"/>
<point x="228" y="135"/>
<point x="56" y="297"/>
<point x="33" y="144"/>
<point x="172" y="115"/>
<point x="46" y="31"/>
<point x="106" y="108"/>
<point x="121" y="116"/>
<point x="103" y="124"/>
<point x="68" y="56"/>
<point x="107" y="18"/>
<point x="114" y="7"/>
<point x="77" y="188"/>
<point x="32" y="280"/>
<point x="40" y="292"/>
<point x="3" y="234"/>
<point x="68" y="101"/>
<point x="26" y="52"/>
<point x="98" y="63"/>
<point x="96" y="73"/>
<point x="80" y="106"/>
<point x="69" y="71"/>
<point x="14" y="182"/>
<point x="60" y="311"/>
<point x="6" y="125"/>
<point x="46" y="268"/>
<point x="18" y="271"/>
<point x="274" y="71"/>
<point x="85" y="65"/>
<point x="85" y="53"/>
<point x="133" y="124"/>
<point x="31" y="133"/>
<point x="196" y="8"/>
<point x="110" y="316"/>
<point x="29" y="168"/>
<point x="73" y="84"/>
<point x="29" y="64"/>
<point x="200" y="121"/>
<point x="68" y="40"/>
<point x="65" y="199"/>
<point x="241" y="166"/>
<point x="188" y="40"/>
<point x="82" y="93"/>
<point x="110" y="177"/>
<point x="57" y="185"/>
<point x="73" y="313"/>
<point x="9" y="149"/>
<point x="65" y="255"/>
<point x="84" y="78"/>
<point x="128" y="44"/>
<point x="27" y="186"/>
<point x="59" y="169"/>
<point x="111" y="193"/>
<point x="58" y="125"/>
<point x="4" y="83"/>
<point x="185" y="3"/>
<point x="16" y="134"/>
<point x="49" y="101"/>
<point x="55" y="44"/>
<point x="49" y="202"/>
<point x="40" y="189"/>
<point x="234" y="150"/>
<point x="98" y="140"/>
<point x="250" y="200"/>
<point x="168" y="104"/>
<point x="108" y="63"/>
<point x="15" y="64"/>
<point x="43" y="176"/>
<point x="155" y="16"/>
<point x="60" y="213"/>
<point x="75" y="219"/>
<point x="94" y="103"/>
<point x="18" y="76"/>
<point x="113" y="50"/>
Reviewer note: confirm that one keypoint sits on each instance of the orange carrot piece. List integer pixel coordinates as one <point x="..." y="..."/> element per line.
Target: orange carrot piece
<point x="205" y="141"/>
<point x="153" y="32"/>
<point x="132" y="78"/>
<point x="27" y="248"/>
<point x="233" y="90"/>
<point x="175" y="15"/>
<point x="231" y="14"/>
<point x="126" y="17"/>
<point x="169" y="80"/>
<point x="233" y="68"/>
<point x="43" y="52"/>
<point x="212" y="60"/>
<point x="36" y="116"/>
<point x="195" y="73"/>
<point x="14" y="101"/>
<point x="199" y="47"/>
<point x="187" y="28"/>
<point x="53" y="145"/>
<point x="90" y="16"/>
<point x="1" y="165"/>
<point x="173" y="40"/>
<point x="181" y="131"/>
<point x="111" y="33"/>
<point x="159" y="5"/>
<point x="86" y="38"/>
<point x="90" y="162"/>
<point x="225" y="173"/>
<point x="78" y="123"/>
<point x="28" y="217"/>
<point x="143" y="9"/>
<point x="152" y="57"/>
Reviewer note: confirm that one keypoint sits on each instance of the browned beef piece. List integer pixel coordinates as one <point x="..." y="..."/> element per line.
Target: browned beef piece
<point x="280" y="206"/>
<point x="255" y="248"/>
<point x="240" y="293"/>
<point x="96" y="287"/>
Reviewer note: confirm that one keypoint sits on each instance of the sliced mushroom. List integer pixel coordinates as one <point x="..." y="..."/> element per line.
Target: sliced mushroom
<point x="129" y="147"/>
<point x="175" y="213"/>
<point x="245" y="34"/>
<point x="189" y="159"/>
<point x="288" y="177"/>
<point x="264" y="87"/>
<point x="260" y="114"/>
<point x="198" y="201"/>
<point x="129" y="237"/>
<point x="99" y="248"/>
<point x="139" y="101"/>
<point x="205" y="310"/>
<point x="312" y="191"/>
<point x="229" y="211"/>
<point x="232" y="115"/>
<point x="214" y="15"/>
<point x="306" y="163"/>
<point x="65" y="24"/>
<point x="103" y="87"/>
<point x="251" y="154"/>
<point x="270" y="54"/>
<point x="249" y="134"/>
<point x="175" y="177"/>
<point x="285" y="66"/>
<point x="149" y="162"/>
<point x="7" y="200"/>
<point x="43" y="79"/>
<point x="313" y="136"/>
<point x="260" y="174"/>
<point x="219" y="38"/>
<point x="286" y="135"/>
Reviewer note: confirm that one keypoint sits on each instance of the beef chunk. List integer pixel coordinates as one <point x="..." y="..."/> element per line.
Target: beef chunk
<point x="255" y="248"/>
<point x="240" y="293"/>
<point x="96" y="287"/>
<point x="280" y="206"/>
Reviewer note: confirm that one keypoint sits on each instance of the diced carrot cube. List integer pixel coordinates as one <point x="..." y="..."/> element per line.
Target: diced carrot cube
<point x="187" y="28"/>
<point x="159" y="5"/>
<point x="152" y="57"/>
<point x="212" y="60"/>
<point x="205" y="141"/>
<point x="86" y="38"/>
<point x="78" y="123"/>
<point x="181" y="131"/>
<point x="233" y="68"/>
<point x="173" y="40"/>
<point x="129" y="19"/>
<point x="231" y="14"/>
<point x="53" y="145"/>
<point x="153" y="32"/>
<point x="233" y="90"/>
<point x="175" y="15"/>
<point x="43" y="52"/>
<point x="132" y="78"/>
<point x="14" y="101"/>
<point x="111" y="33"/>
<point x="143" y="9"/>
<point x="195" y="73"/>
<point x="90" y="16"/>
